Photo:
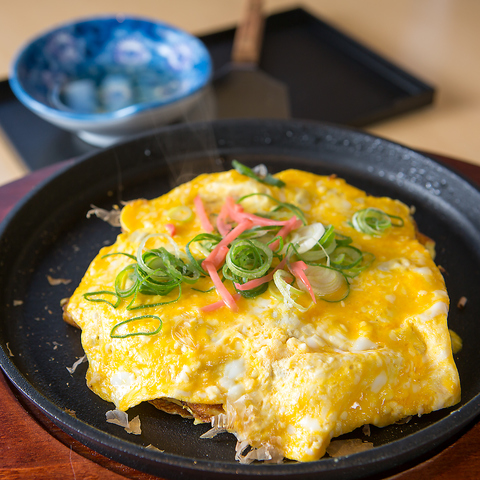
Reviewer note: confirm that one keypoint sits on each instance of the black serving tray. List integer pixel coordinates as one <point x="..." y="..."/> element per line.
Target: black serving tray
<point x="330" y="77"/>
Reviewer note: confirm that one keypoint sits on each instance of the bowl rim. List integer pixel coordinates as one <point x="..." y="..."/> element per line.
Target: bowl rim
<point x="51" y="112"/>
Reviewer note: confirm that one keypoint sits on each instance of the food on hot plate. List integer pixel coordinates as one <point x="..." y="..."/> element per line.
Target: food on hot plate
<point x="286" y="309"/>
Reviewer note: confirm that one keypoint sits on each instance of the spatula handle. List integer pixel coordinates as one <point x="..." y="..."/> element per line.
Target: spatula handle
<point x="247" y="43"/>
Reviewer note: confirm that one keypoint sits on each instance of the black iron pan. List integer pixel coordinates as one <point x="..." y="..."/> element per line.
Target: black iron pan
<point x="48" y="234"/>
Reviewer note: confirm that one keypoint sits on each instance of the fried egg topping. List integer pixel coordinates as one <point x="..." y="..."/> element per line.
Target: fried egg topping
<point x="343" y="331"/>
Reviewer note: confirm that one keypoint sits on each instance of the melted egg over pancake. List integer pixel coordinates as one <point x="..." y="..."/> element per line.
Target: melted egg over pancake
<point x="290" y="373"/>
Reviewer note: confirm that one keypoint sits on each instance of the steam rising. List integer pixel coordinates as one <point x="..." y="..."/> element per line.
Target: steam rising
<point x="170" y="146"/>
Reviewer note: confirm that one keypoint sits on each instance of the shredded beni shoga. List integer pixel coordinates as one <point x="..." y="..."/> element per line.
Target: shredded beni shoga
<point x="251" y="252"/>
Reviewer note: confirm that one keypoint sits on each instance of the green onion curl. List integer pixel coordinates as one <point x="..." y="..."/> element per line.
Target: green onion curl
<point x="207" y="241"/>
<point x="133" y="334"/>
<point x="289" y="206"/>
<point x="248" y="172"/>
<point x="249" y="259"/>
<point x="374" y="221"/>
<point x="87" y="296"/>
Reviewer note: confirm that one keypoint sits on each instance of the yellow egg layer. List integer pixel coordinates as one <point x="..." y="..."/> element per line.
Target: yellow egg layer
<point x="286" y="378"/>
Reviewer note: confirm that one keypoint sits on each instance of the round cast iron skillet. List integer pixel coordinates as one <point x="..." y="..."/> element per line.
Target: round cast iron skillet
<point x="48" y="234"/>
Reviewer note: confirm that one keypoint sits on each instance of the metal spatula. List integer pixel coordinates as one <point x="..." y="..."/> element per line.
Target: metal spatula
<point x="241" y="88"/>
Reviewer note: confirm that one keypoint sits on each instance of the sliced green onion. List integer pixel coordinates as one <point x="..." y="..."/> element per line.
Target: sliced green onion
<point x="249" y="259"/>
<point x="278" y="250"/>
<point x="151" y="305"/>
<point x="257" y="232"/>
<point x="87" y="296"/>
<point x="314" y="256"/>
<point x="211" y="289"/>
<point x="274" y="291"/>
<point x="157" y="272"/>
<point x="127" y="281"/>
<point x="374" y="221"/>
<point x="153" y="273"/>
<point x="342" y="240"/>
<point x="328" y="238"/>
<point x="248" y="172"/>
<point x="321" y="249"/>
<point x="346" y="258"/>
<point x="367" y="260"/>
<point x="180" y="213"/>
<point x="297" y="211"/>
<point x="396" y="221"/>
<point x="207" y="242"/>
<point x="289" y="206"/>
<point x="327" y="283"/>
<point x="160" y="272"/>
<point x="350" y="260"/>
<point x="129" y="255"/>
<point x="286" y="289"/>
<point x="306" y="237"/>
<point x="133" y="334"/>
<point x="169" y="239"/>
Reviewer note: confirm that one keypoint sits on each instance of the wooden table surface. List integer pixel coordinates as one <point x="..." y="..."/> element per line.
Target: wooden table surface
<point x="32" y="447"/>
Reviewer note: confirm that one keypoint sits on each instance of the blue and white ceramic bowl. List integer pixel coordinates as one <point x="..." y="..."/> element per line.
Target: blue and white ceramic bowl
<point x="110" y="77"/>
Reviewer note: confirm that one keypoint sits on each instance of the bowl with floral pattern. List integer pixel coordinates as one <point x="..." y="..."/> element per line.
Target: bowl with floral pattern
<point x="106" y="78"/>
